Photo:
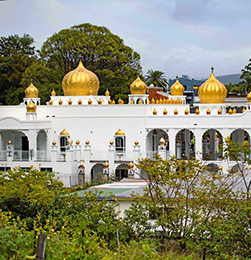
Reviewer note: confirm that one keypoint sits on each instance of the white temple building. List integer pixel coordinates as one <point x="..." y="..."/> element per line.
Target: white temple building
<point x="84" y="136"/>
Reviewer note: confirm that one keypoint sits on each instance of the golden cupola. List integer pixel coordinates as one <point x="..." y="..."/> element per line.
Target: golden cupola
<point x="177" y="89"/>
<point x="31" y="91"/>
<point x="80" y="82"/>
<point x="138" y="87"/>
<point x="212" y="91"/>
<point x="249" y="97"/>
<point x="31" y="107"/>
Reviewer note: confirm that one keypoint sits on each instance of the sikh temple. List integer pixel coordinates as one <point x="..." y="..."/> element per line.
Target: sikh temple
<point x="84" y="136"/>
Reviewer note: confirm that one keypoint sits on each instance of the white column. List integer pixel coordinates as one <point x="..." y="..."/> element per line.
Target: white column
<point x="198" y="143"/>
<point x="172" y="141"/>
<point x="87" y="158"/>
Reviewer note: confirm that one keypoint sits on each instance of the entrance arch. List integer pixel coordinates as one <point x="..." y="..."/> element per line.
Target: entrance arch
<point x="152" y="141"/>
<point x="121" y="171"/>
<point x="212" y="145"/>
<point x="41" y="145"/>
<point x="185" y="145"/>
<point x="97" y="172"/>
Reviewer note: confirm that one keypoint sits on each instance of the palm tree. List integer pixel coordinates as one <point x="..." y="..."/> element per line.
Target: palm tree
<point x="245" y="85"/>
<point x="156" y="78"/>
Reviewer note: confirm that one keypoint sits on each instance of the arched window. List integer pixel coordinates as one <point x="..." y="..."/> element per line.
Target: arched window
<point x="64" y="135"/>
<point x="120" y="142"/>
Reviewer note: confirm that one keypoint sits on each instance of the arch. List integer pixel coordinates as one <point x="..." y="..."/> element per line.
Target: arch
<point x="41" y="145"/>
<point x="242" y="137"/>
<point x="19" y="141"/>
<point x="97" y="172"/>
<point x="139" y="100"/>
<point x="121" y="171"/>
<point x="152" y="141"/>
<point x="212" y="145"/>
<point x="185" y="144"/>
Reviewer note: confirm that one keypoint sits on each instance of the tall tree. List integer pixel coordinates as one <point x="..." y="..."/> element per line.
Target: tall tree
<point x="156" y="78"/>
<point x="100" y="51"/>
<point x="245" y="85"/>
<point x="16" y="55"/>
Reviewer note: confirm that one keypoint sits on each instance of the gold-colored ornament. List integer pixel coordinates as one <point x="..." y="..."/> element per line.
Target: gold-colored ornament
<point x="31" y="107"/>
<point x="77" y="142"/>
<point x="219" y="111"/>
<point x="154" y="112"/>
<point x="53" y="93"/>
<point x="106" y="165"/>
<point x="89" y="101"/>
<point x="153" y="101"/>
<point x="176" y="112"/>
<point x="109" y="101"/>
<point x="70" y="102"/>
<point x="80" y="101"/>
<point x="243" y="110"/>
<point x="87" y="142"/>
<point x="100" y="102"/>
<point x="111" y="142"/>
<point x="186" y="112"/>
<point x="50" y="102"/>
<point x="230" y="111"/>
<point x="64" y="133"/>
<point x="107" y="93"/>
<point x="197" y="111"/>
<point x="208" y="112"/>
<point x="9" y="142"/>
<point x="31" y="91"/>
<point x="234" y="111"/>
<point x="120" y="133"/>
<point x="60" y="102"/>
<point x="162" y="141"/>
<point x="138" y="87"/>
<point x="165" y="112"/>
<point x="54" y="143"/>
<point x="136" y="142"/>
<point x="139" y="102"/>
<point x="177" y="89"/>
<point x="130" y="165"/>
<point x="113" y="102"/>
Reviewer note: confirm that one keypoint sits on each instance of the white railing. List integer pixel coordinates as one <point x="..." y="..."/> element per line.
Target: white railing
<point x="42" y="156"/>
<point x="19" y="155"/>
<point x="3" y="155"/>
<point x="151" y="154"/>
<point x="127" y="156"/>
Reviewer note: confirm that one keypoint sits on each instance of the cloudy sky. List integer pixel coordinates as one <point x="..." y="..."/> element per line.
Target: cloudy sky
<point x="174" y="36"/>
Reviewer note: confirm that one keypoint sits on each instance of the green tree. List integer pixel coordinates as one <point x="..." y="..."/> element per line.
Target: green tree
<point x="100" y="51"/>
<point x="16" y="55"/>
<point x="156" y="78"/>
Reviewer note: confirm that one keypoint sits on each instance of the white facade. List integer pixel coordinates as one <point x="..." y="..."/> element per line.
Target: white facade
<point x="32" y="134"/>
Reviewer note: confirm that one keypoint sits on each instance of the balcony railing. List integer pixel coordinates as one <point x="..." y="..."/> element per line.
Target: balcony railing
<point x="42" y="156"/>
<point x="19" y="155"/>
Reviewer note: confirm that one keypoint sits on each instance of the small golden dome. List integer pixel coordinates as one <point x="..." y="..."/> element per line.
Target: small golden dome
<point x="31" y="107"/>
<point x="130" y="165"/>
<point x="31" y="91"/>
<point x="243" y="110"/>
<point x="249" y="97"/>
<point x="177" y="89"/>
<point x="197" y="111"/>
<point x="111" y="142"/>
<point x="77" y="142"/>
<point x="89" y="101"/>
<point x="208" y="111"/>
<point x="53" y="93"/>
<point x="212" y="91"/>
<point x="70" y="102"/>
<point x="109" y="101"/>
<point x="160" y="101"/>
<point x="136" y="142"/>
<point x="80" y="82"/>
<point x="165" y="112"/>
<point x="138" y="87"/>
<point x="60" y="102"/>
<point x="106" y="165"/>
<point x="234" y="111"/>
<point x="119" y="132"/>
<point x="99" y="101"/>
<point x="157" y="101"/>
<point x="50" y="102"/>
<point x="230" y="111"/>
<point x="113" y="102"/>
<point x="186" y="112"/>
<point x="162" y="141"/>
<point x="220" y="168"/>
<point x="120" y="101"/>
<point x="153" y="101"/>
<point x="154" y="112"/>
<point x="175" y="111"/>
<point x="64" y="133"/>
<point x="54" y="143"/>
<point x="69" y="141"/>
<point x="219" y="111"/>
<point x="80" y="101"/>
<point x="107" y="93"/>
<point x="9" y="142"/>
<point x="87" y="142"/>
<point x="139" y="102"/>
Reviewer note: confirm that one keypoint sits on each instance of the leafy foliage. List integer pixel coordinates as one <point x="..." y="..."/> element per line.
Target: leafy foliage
<point x="156" y="78"/>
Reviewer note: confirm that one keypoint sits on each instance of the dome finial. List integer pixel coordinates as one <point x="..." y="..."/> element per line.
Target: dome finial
<point x="177" y="77"/>
<point x="138" y="86"/>
<point x="212" y="69"/>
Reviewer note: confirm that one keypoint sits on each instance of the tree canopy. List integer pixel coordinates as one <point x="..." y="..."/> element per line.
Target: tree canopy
<point x="156" y="78"/>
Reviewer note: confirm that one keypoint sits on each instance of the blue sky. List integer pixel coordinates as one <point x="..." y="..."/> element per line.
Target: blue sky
<point x="174" y="36"/>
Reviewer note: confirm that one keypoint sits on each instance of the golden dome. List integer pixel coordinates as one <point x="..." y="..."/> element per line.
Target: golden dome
<point x="64" y="132"/>
<point x="165" y="112"/>
<point x="234" y="111"/>
<point x="31" y="107"/>
<point x="153" y="101"/>
<point x="136" y="142"/>
<point x="77" y="142"/>
<point x="80" y="101"/>
<point x="107" y="93"/>
<point x="70" y="102"/>
<point x="212" y="91"/>
<point x="197" y="111"/>
<point x="60" y="102"/>
<point x="100" y="102"/>
<point x="106" y="165"/>
<point x="109" y="101"/>
<point x="80" y="82"/>
<point x="138" y="87"/>
<point x="177" y="89"/>
<point x="113" y="102"/>
<point x="230" y="111"/>
<point x="243" y="110"/>
<point x="162" y="141"/>
<point x="53" y="93"/>
<point x="87" y="142"/>
<point x="54" y="143"/>
<point x="219" y="111"/>
<point x="9" y="142"/>
<point x="111" y="142"/>
<point x="120" y="101"/>
<point x="249" y="97"/>
<point x="186" y="112"/>
<point x="175" y="111"/>
<point x="89" y="101"/>
<point x="130" y="165"/>
<point x="119" y="132"/>
<point x="31" y="91"/>
<point x="208" y="111"/>
<point x="154" y="112"/>
<point x="50" y="102"/>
